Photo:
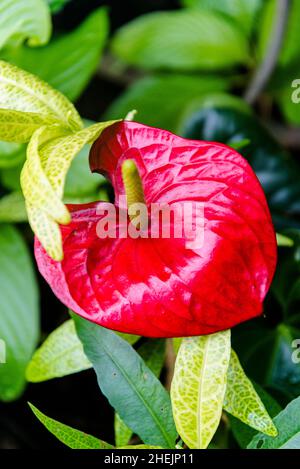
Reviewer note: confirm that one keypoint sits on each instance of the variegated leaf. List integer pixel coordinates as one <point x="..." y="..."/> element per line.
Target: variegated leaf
<point x="198" y="387"/>
<point x="243" y="402"/>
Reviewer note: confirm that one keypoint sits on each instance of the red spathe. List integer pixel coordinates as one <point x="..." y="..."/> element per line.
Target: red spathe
<point x="158" y="287"/>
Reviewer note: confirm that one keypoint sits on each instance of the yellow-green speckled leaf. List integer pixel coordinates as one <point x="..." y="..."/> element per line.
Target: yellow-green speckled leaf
<point x="35" y="181"/>
<point x="22" y="91"/>
<point x="198" y="387"/>
<point x="47" y="231"/>
<point x="18" y="126"/>
<point x="49" y="156"/>
<point x="61" y="354"/>
<point x="58" y="154"/>
<point x="71" y="437"/>
<point x="242" y="401"/>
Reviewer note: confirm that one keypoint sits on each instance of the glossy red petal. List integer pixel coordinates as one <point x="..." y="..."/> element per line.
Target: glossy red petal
<point x="158" y="287"/>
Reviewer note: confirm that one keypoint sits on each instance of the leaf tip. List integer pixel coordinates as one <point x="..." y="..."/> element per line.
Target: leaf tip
<point x="271" y="430"/>
<point x="31" y="406"/>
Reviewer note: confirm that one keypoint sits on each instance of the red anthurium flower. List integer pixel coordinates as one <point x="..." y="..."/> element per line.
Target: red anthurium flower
<point x="159" y="287"/>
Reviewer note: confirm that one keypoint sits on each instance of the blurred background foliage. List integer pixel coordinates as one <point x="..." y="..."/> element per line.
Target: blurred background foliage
<point x="192" y="67"/>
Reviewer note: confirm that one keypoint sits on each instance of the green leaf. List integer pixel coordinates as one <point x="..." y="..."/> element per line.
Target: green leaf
<point x="68" y="62"/>
<point x="176" y="344"/>
<point x="240" y="144"/>
<point x="12" y="208"/>
<point x="11" y="154"/>
<point x="49" y="155"/>
<point x="288" y="424"/>
<point x="198" y="387"/>
<point x="57" y="5"/>
<point x="131" y="388"/>
<point x="21" y="91"/>
<point x="20" y="21"/>
<point x="61" y="354"/>
<point x="19" y="323"/>
<point x="244" y="12"/>
<point x="242" y="432"/>
<point x="10" y="177"/>
<point x="278" y="172"/>
<point x="122" y="432"/>
<point x="283" y="240"/>
<point x="161" y="100"/>
<point x="185" y="40"/>
<point x="242" y="401"/>
<point x="153" y="354"/>
<point x="71" y="437"/>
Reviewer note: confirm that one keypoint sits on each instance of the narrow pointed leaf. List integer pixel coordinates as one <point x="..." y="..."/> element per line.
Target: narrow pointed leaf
<point x="130" y="386"/>
<point x="71" y="437"/>
<point x="198" y="387"/>
<point x="242" y="432"/>
<point x="153" y="354"/>
<point x="288" y="424"/>
<point x="22" y="91"/>
<point x="242" y="401"/>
